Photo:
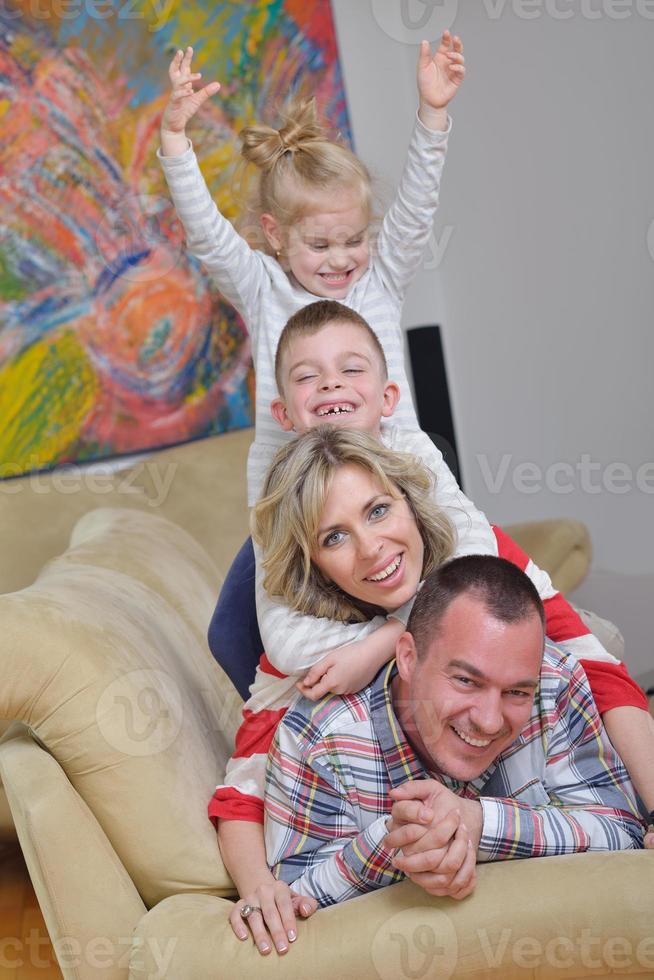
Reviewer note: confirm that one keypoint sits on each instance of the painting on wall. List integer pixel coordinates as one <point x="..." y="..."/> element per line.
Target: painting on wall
<point x="112" y="338"/>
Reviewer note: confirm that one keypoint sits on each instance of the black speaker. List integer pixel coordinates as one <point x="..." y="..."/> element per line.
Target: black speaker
<point x="431" y="391"/>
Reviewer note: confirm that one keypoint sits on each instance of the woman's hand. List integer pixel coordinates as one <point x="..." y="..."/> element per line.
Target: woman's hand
<point x="440" y="75"/>
<point x="275" y="923"/>
<point x="184" y="101"/>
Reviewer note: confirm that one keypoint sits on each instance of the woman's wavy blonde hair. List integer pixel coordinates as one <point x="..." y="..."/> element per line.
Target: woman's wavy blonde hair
<point x="297" y="162"/>
<point x="286" y="519"/>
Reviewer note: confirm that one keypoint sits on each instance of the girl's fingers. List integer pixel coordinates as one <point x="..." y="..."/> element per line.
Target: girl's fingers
<point x="425" y="54"/>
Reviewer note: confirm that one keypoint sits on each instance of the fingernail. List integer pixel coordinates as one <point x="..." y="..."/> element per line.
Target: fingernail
<point x="282" y="949"/>
<point x="264" y="949"/>
<point x="306" y="909"/>
<point x="292" y="935"/>
<point x="242" y="936"/>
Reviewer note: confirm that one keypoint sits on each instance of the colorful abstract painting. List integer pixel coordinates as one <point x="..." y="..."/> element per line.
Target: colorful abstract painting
<point x="112" y="339"/>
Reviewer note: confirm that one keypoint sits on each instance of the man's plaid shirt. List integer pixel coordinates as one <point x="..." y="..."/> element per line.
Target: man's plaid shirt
<point x="560" y="788"/>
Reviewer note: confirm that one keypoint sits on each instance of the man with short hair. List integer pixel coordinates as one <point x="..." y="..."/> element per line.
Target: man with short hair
<point x="479" y="742"/>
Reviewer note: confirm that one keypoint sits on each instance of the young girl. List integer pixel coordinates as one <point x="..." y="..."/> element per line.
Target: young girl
<point x="315" y="209"/>
<point x="315" y="206"/>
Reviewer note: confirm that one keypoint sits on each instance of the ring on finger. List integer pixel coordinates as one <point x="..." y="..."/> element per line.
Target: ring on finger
<point x="248" y="909"/>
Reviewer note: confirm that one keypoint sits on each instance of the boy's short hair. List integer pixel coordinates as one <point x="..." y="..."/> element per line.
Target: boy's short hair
<point x="312" y="318"/>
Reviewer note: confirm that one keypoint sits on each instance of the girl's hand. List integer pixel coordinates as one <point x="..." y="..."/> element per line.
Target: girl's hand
<point x="184" y="101"/>
<point x="439" y="76"/>
<point x="275" y="923"/>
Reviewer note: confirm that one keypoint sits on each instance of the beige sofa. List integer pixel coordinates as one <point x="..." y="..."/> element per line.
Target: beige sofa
<point x="123" y="724"/>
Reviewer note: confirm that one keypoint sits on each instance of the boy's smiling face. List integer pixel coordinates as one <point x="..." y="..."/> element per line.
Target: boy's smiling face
<point x="336" y="376"/>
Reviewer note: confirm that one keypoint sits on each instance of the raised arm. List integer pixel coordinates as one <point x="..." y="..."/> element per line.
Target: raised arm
<point x="235" y="268"/>
<point x="183" y="103"/>
<point x="409" y="221"/>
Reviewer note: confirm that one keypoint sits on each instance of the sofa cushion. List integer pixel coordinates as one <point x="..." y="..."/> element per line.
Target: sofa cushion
<point x="554" y="918"/>
<point x="104" y="657"/>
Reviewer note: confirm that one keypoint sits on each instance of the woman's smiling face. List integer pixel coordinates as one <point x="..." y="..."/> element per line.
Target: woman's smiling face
<point x="368" y="541"/>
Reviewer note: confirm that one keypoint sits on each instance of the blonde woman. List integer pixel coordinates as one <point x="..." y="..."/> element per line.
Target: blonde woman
<point x="347" y="530"/>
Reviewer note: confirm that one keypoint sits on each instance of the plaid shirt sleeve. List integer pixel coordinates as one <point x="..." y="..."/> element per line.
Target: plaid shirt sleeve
<point x="587" y="800"/>
<point x="315" y="839"/>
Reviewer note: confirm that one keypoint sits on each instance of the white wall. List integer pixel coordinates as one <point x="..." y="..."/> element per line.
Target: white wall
<point x="546" y="288"/>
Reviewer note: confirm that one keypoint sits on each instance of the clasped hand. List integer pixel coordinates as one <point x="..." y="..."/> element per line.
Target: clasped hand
<point x="437" y="833"/>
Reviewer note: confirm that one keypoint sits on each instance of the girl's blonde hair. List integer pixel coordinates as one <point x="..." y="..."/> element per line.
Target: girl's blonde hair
<point x="285" y="521"/>
<point x="297" y="162"/>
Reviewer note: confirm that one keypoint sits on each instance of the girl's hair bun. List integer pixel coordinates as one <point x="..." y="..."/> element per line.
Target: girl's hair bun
<point x="264" y="146"/>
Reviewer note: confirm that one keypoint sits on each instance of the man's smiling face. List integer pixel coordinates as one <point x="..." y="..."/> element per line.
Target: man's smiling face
<point x="470" y="695"/>
<point x="336" y="376"/>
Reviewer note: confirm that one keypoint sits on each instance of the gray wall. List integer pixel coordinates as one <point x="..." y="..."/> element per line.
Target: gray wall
<point x="545" y="284"/>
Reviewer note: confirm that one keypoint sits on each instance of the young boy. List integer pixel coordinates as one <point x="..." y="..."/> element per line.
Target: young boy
<point x="330" y="369"/>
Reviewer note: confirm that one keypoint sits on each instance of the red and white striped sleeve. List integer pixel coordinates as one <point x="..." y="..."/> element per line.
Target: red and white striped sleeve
<point x="608" y="677"/>
<point x="240" y="797"/>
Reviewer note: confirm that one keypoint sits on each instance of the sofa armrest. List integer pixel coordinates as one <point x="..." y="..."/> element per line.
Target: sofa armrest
<point x="582" y="915"/>
<point x="561" y="547"/>
<point x="89" y="903"/>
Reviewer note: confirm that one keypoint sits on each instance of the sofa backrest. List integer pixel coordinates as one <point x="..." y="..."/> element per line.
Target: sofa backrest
<point x="200" y="486"/>
<point x="104" y="657"/>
